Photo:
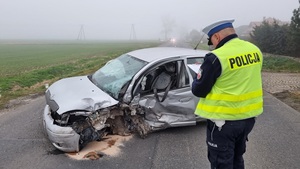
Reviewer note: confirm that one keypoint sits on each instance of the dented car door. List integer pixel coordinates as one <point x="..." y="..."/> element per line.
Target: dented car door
<point x="169" y="101"/>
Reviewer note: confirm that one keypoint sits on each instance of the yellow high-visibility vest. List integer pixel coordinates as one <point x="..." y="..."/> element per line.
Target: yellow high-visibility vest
<point x="237" y="93"/>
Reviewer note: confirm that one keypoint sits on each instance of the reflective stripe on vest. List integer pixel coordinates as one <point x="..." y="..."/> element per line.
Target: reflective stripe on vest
<point x="242" y="97"/>
<point x="237" y="106"/>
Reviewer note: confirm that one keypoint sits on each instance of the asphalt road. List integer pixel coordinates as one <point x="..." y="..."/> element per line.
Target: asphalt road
<point x="274" y="143"/>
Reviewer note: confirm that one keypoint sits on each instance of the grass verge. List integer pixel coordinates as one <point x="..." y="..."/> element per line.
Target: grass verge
<point x="276" y="63"/>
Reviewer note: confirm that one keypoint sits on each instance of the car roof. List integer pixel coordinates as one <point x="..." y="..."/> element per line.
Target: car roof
<point x="157" y="53"/>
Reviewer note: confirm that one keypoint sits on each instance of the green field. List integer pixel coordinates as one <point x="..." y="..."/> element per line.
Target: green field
<point x="26" y="66"/>
<point x="19" y="58"/>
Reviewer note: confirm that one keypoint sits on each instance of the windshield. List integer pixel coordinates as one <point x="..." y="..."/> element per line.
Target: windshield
<point x="116" y="73"/>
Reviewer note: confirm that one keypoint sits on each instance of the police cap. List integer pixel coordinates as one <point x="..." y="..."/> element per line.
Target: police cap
<point x="216" y="27"/>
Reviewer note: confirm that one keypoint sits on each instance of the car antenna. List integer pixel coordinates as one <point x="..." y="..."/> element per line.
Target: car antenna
<point x="199" y="42"/>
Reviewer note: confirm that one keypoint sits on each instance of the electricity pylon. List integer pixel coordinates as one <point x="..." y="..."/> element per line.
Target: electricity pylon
<point x="132" y="33"/>
<point x="81" y="34"/>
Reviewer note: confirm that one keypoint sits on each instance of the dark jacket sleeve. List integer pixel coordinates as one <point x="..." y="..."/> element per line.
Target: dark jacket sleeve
<point x="209" y="71"/>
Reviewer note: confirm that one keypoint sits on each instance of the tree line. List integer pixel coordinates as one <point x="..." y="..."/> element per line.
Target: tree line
<point x="279" y="39"/>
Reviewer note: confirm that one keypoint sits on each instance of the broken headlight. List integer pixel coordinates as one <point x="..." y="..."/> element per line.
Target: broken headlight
<point x="69" y="118"/>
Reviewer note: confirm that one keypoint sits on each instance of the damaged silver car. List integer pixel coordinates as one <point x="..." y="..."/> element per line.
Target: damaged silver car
<point x="141" y="91"/>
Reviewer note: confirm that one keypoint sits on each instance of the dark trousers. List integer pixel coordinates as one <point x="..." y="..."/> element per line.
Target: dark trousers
<point x="227" y="145"/>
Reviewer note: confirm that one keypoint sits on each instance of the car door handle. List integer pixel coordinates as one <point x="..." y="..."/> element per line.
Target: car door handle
<point x="186" y="99"/>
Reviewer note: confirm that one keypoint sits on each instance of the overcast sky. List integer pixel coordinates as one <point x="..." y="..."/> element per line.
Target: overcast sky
<point x="115" y="19"/>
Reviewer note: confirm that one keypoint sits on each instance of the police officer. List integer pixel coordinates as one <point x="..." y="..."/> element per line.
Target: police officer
<point x="229" y="85"/>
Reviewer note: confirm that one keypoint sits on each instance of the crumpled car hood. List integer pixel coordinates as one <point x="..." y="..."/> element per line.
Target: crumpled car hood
<point x="78" y="93"/>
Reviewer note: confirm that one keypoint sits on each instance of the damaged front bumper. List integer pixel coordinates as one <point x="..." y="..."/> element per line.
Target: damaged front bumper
<point x="78" y="132"/>
<point x="63" y="138"/>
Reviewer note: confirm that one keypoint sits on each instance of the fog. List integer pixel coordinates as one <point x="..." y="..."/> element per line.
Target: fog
<point x="122" y="19"/>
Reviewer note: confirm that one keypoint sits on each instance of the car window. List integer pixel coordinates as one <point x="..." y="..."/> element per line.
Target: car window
<point x="194" y="65"/>
<point x="157" y="77"/>
<point x="195" y="60"/>
<point x="183" y="76"/>
<point x="116" y="73"/>
<point x="173" y="73"/>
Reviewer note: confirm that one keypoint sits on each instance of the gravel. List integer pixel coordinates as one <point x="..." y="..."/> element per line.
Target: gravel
<point x="284" y="86"/>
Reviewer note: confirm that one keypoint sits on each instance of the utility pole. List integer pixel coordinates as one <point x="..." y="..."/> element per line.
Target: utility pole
<point x="132" y="33"/>
<point x="81" y="34"/>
